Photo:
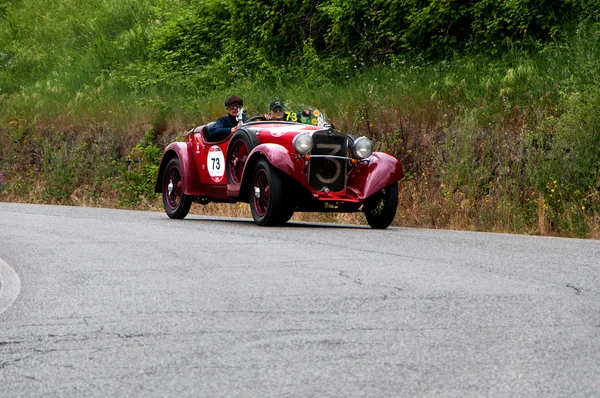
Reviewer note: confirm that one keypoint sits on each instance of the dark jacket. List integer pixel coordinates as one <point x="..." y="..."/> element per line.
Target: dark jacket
<point x="222" y="128"/>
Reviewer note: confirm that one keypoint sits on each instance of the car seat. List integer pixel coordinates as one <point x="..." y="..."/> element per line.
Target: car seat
<point x="207" y="129"/>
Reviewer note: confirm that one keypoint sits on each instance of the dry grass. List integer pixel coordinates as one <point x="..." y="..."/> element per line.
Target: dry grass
<point x="419" y="206"/>
<point x="543" y="224"/>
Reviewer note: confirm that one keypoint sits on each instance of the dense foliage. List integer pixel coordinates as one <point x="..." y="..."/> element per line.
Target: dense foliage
<point x="211" y="42"/>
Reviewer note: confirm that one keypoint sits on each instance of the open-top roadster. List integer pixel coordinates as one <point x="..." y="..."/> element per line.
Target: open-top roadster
<point x="281" y="167"/>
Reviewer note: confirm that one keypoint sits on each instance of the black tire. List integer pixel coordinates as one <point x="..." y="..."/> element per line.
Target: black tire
<point x="289" y="199"/>
<point x="287" y="214"/>
<point x="177" y="204"/>
<point x="239" y="148"/>
<point x="380" y="209"/>
<point x="266" y="195"/>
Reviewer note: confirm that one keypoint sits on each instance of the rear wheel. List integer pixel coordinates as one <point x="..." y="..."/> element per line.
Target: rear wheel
<point x="266" y="195"/>
<point x="177" y="204"/>
<point x="380" y="209"/>
<point x="237" y="155"/>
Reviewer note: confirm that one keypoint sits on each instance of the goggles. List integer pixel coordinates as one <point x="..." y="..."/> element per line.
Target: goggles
<point x="236" y="105"/>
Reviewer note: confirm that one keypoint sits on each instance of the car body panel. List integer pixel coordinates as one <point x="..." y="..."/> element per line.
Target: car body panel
<point x="381" y="171"/>
<point x="191" y="180"/>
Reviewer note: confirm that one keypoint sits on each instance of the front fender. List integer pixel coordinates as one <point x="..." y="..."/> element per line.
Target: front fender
<point x="191" y="180"/>
<point x="381" y="171"/>
<point x="277" y="155"/>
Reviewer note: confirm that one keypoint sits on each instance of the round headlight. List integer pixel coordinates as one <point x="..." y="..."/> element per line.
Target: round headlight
<point x="303" y="143"/>
<point x="363" y="147"/>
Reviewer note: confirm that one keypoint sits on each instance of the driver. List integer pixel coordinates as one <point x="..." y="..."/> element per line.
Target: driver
<point x="276" y="111"/>
<point x="227" y="124"/>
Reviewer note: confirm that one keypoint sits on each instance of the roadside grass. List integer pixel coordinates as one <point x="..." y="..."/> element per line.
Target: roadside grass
<point x="503" y="145"/>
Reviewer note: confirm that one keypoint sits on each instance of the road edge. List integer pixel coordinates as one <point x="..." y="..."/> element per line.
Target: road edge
<point x="10" y="286"/>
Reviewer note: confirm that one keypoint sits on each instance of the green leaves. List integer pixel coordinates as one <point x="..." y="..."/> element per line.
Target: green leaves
<point x="138" y="174"/>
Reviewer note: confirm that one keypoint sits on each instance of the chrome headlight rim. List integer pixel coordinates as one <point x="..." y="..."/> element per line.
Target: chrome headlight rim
<point x="362" y="147"/>
<point x="303" y="143"/>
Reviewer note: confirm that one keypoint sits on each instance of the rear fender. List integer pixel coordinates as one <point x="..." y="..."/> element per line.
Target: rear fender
<point x="191" y="180"/>
<point x="381" y="171"/>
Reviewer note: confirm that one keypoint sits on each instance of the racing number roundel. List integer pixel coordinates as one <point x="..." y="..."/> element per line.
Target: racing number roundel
<point x="216" y="163"/>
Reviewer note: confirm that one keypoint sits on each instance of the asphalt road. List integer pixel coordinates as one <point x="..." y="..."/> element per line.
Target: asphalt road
<point x="97" y="302"/>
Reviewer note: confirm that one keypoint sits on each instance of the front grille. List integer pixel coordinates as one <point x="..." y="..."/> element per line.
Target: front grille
<point x="328" y="172"/>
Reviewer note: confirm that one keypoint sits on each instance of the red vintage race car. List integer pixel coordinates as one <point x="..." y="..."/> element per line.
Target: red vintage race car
<point x="281" y="167"/>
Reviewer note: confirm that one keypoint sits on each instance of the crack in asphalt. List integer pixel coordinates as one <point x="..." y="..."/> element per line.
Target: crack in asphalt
<point x="3" y="343"/>
<point x="359" y="282"/>
<point x="577" y="289"/>
<point x="34" y="351"/>
<point x="6" y="364"/>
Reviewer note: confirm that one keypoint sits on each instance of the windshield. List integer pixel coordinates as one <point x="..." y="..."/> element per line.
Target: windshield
<point x="306" y="116"/>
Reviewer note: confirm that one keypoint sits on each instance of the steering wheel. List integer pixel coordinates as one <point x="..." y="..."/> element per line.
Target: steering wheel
<point x="255" y="118"/>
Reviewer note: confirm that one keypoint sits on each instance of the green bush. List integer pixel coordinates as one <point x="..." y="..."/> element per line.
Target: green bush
<point x="138" y="173"/>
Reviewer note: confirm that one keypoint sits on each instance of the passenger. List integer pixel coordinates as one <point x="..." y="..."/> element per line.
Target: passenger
<point x="226" y="124"/>
<point x="276" y="111"/>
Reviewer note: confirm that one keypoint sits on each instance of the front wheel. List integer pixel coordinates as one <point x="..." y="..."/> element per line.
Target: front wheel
<point x="380" y="209"/>
<point x="266" y="195"/>
<point x="177" y="204"/>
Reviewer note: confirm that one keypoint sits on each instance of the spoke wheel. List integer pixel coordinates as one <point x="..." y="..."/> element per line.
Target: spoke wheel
<point x="266" y="195"/>
<point x="176" y="203"/>
<point x="237" y="160"/>
<point x="380" y="209"/>
<point x="262" y="193"/>
<point x="237" y="155"/>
